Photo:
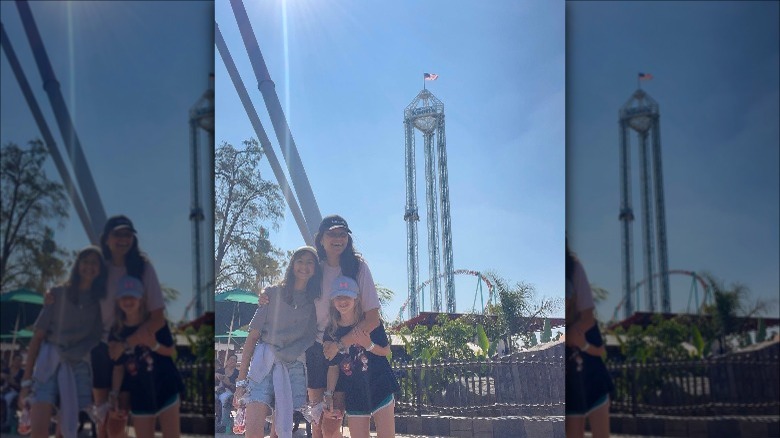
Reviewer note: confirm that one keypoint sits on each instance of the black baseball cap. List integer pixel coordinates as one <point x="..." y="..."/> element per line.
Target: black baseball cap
<point x="333" y="221"/>
<point x="118" y="222"/>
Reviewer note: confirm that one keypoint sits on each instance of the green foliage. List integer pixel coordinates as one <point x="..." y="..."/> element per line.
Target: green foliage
<point x="698" y="342"/>
<point x="201" y="342"/>
<point x="516" y="309"/>
<point x="244" y="201"/>
<point x="31" y="207"/>
<point x="761" y="331"/>
<point x="482" y="340"/>
<point x="546" y="332"/>
<point x="531" y="341"/>
<point x="661" y="340"/>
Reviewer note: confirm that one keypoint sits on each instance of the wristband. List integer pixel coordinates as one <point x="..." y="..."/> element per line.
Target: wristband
<point x="327" y="394"/>
<point x="26" y="383"/>
<point x="156" y="346"/>
<point x="371" y="347"/>
<point x="242" y="383"/>
<point x="585" y="347"/>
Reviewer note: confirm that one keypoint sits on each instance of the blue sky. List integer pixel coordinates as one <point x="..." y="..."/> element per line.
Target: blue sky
<point x="345" y="71"/>
<point x="129" y="79"/>
<point x="715" y="68"/>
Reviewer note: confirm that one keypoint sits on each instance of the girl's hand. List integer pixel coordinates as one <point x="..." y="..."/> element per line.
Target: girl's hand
<point x="147" y="338"/>
<point x="362" y="339"/>
<point x="575" y="338"/>
<point x="331" y="349"/>
<point x="262" y="298"/>
<point x="22" y="396"/>
<point x="237" y="396"/>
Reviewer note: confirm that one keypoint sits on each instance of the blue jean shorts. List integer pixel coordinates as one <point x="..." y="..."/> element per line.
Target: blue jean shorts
<point x="263" y="392"/>
<point x="49" y="391"/>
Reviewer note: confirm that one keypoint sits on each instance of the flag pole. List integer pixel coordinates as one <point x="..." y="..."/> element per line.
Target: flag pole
<point x="423" y="81"/>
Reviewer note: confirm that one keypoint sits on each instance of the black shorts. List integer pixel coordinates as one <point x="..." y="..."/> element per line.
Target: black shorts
<point x="316" y="367"/>
<point x="102" y="367"/>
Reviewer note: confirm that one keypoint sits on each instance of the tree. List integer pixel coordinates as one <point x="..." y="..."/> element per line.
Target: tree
<point x="385" y="296"/>
<point x="518" y="307"/>
<point x="30" y="206"/>
<point x="731" y="304"/>
<point x="244" y="203"/>
<point x="546" y="335"/>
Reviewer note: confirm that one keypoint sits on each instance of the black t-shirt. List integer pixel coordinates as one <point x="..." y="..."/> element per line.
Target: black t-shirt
<point x="365" y="378"/>
<point x="152" y="379"/>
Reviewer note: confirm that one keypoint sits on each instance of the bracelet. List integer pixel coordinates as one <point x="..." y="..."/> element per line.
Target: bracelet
<point x="242" y="383"/>
<point x="585" y="347"/>
<point x="156" y="346"/>
<point x="327" y="394"/>
<point x="371" y="347"/>
<point x="26" y="383"/>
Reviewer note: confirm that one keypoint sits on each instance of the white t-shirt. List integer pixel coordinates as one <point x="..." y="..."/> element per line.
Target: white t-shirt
<point x="368" y="296"/>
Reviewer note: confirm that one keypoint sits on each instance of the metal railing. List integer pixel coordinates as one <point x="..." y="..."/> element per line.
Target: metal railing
<point x="198" y="395"/>
<point x="529" y="386"/>
<point x="723" y="386"/>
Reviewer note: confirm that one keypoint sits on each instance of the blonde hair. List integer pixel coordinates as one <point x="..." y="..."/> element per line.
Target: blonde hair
<point x="120" y="317"/>
<point x="335" y="316"/>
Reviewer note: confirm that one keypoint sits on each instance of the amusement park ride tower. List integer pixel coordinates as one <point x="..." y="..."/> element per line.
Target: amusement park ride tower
<point x="426" y="113"/>
<point x="641" y="115"/>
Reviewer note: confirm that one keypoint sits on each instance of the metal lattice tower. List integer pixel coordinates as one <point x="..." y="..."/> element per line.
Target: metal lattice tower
<point x="641" y="115"/>
<point x="426" y="113"/>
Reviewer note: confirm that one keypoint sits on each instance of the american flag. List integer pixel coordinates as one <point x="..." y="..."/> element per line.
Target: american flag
<point x="430" y="76"/>
<point x="645" y="76"/>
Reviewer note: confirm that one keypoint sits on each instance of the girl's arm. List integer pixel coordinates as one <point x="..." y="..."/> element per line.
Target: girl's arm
<point x="379" y="351"/>
<point x="246" y="357"/>
<point x="32" y="356"/>
<point x="332" y="380"/>
<point x="366" y="326"/>
<point x="164" y="350"/>
<point x="116" y="385"/>
<point x="147" y="330"/>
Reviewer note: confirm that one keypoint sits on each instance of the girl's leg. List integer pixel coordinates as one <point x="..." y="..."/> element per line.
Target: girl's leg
<point x="359" y="427"/>
<point x="575" y="427"/>
<point x="315" y="395"/>
<point x="100" y="395"/>
<point x="144" y="426"/>
<point x="599" y="421"/>
<point x="117" y="422"/>
<point x="331" y="428"/>
<point x="384" y="419"/>
<point x="255" y="419"/>
<point x="170" y="421"/>
<point x="40" y="419"/>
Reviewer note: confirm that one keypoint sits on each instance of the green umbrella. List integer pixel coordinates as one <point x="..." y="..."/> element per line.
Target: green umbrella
<point x="19" y="309"/>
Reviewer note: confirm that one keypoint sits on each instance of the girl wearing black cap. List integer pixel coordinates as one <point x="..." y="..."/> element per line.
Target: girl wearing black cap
<point x="338" y="256"/>
<point x="123" y="256"/>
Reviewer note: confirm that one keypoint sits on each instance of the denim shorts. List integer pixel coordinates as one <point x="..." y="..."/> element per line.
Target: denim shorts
<point x="264" y="391"/>
<point x="49" y="391"/>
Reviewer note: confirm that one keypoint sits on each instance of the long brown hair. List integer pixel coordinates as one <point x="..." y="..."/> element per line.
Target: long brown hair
<point x="313" y="287"/>
<point x="98" y="288"/>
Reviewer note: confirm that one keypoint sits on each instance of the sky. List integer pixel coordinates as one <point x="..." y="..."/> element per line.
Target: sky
<point x="129" y="79"/>
<point x="715" y="78"/>
<point x="345" y="71"/>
